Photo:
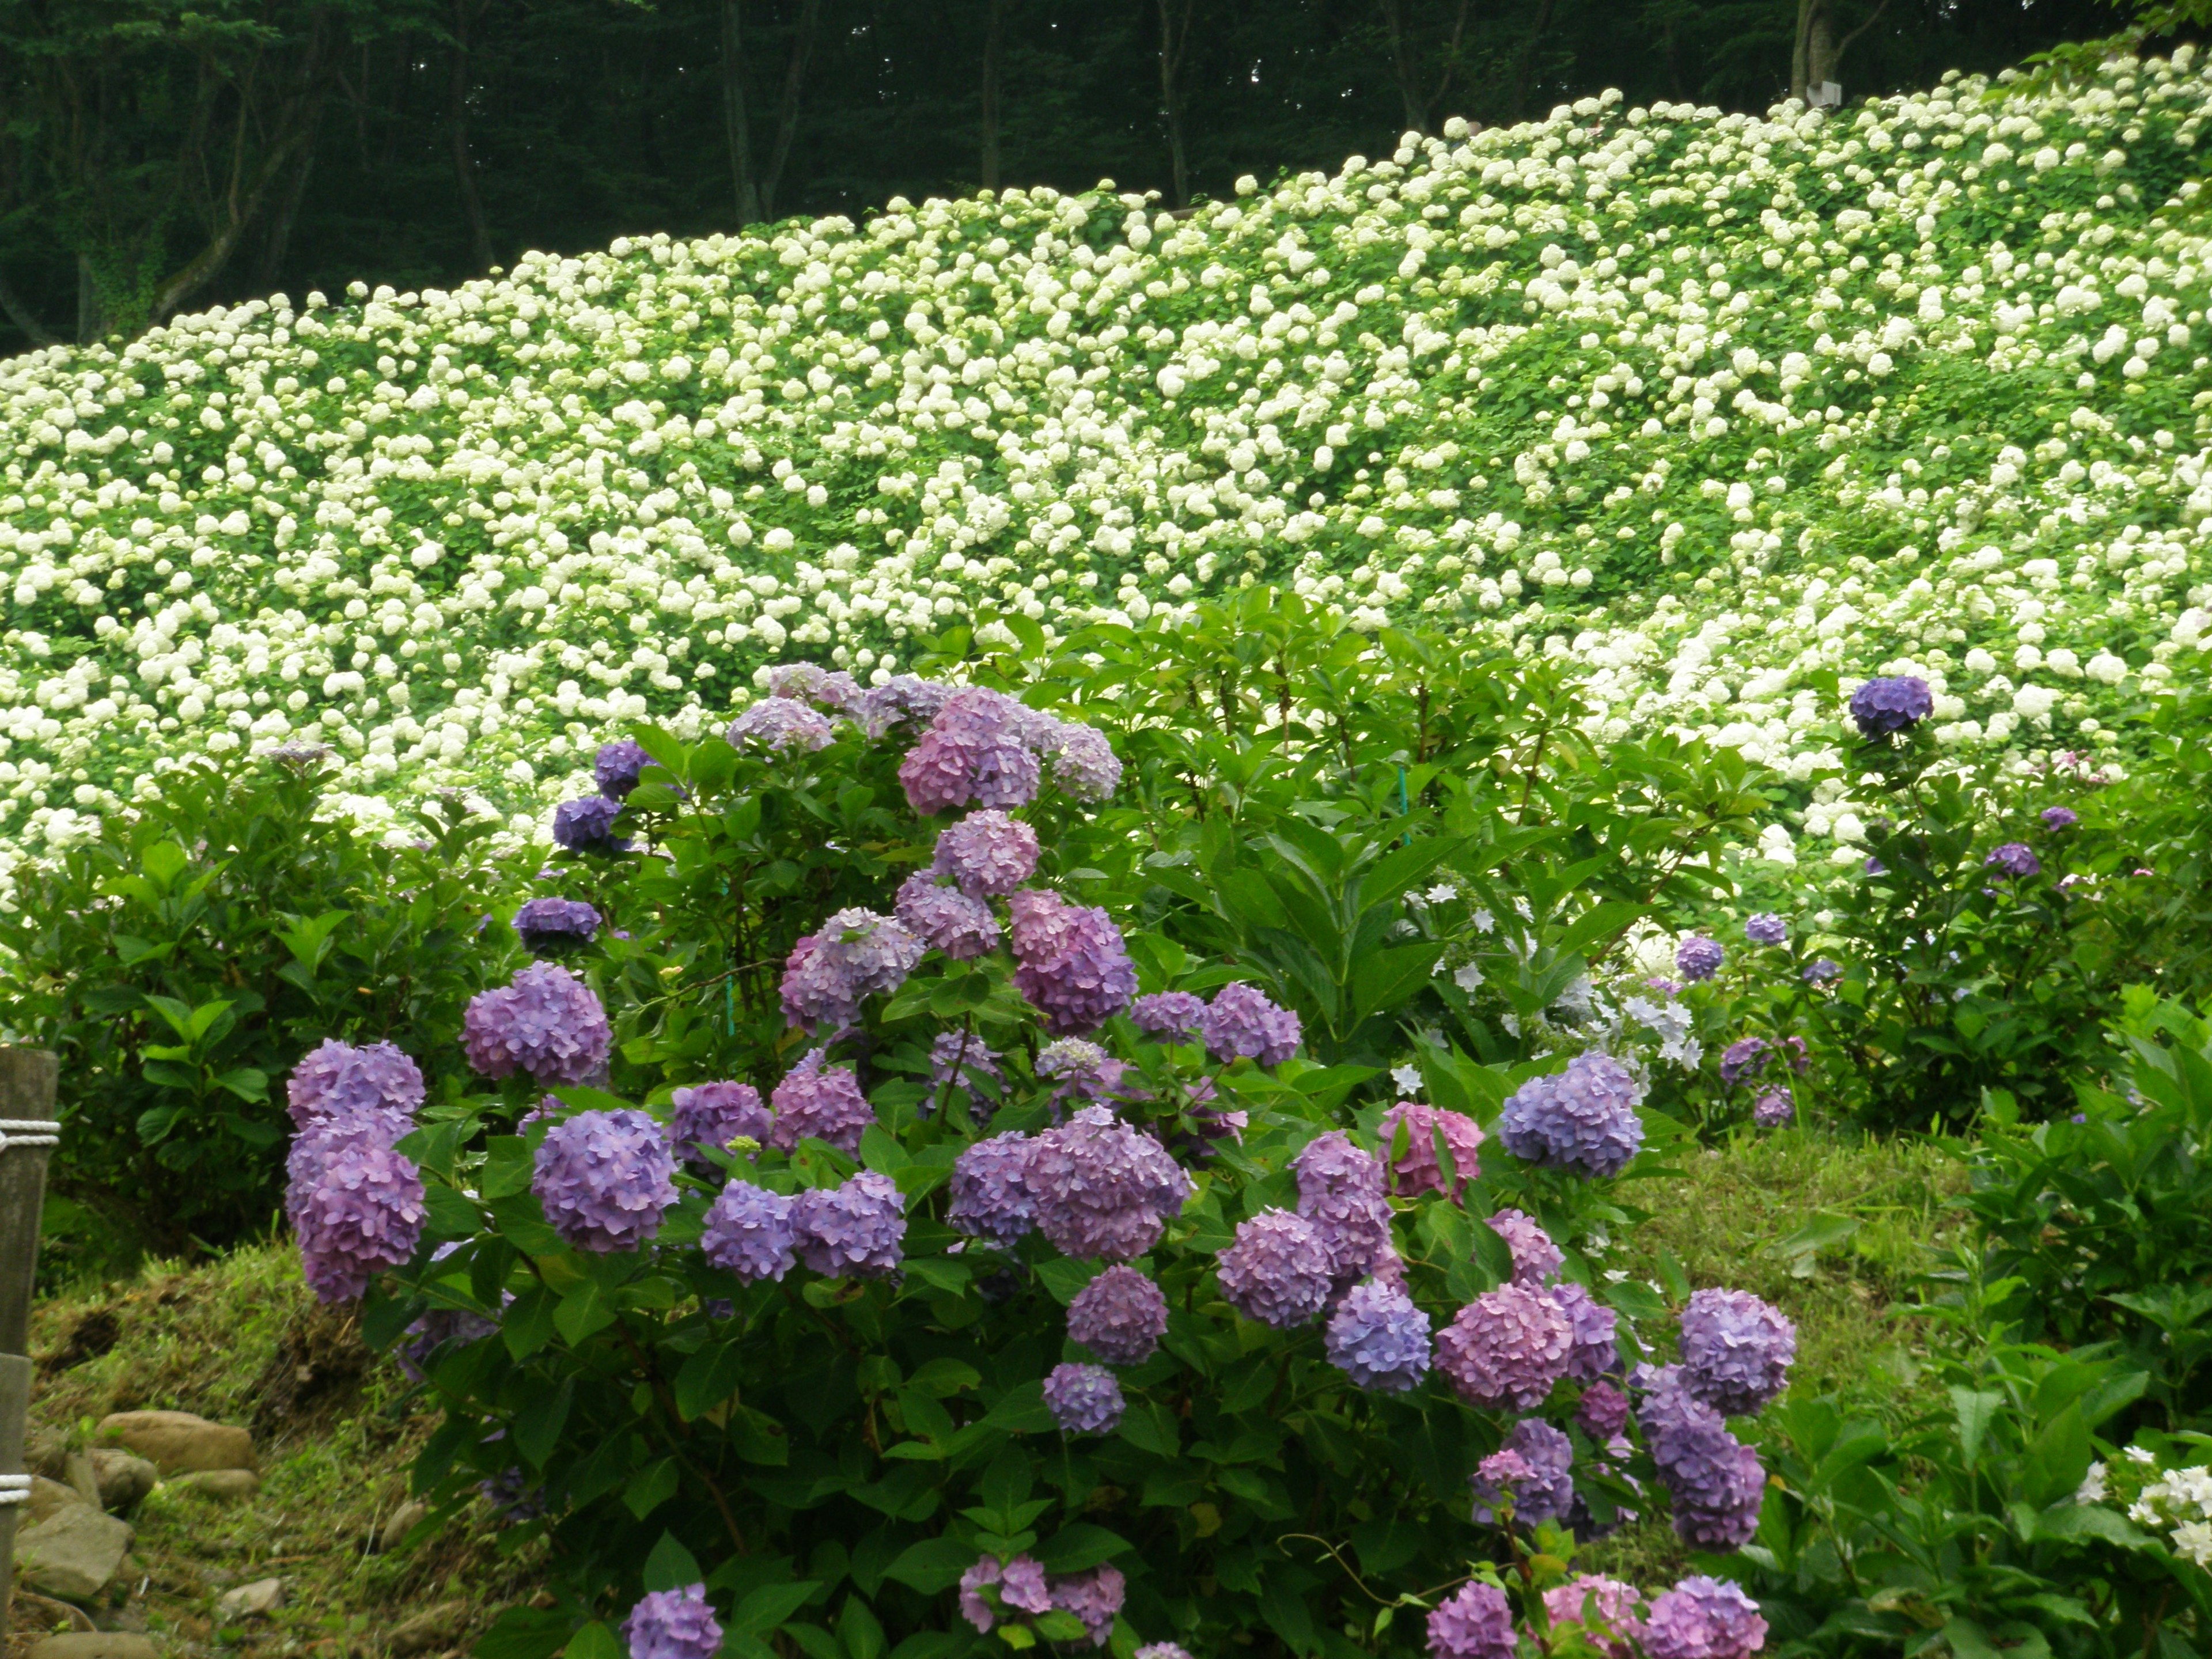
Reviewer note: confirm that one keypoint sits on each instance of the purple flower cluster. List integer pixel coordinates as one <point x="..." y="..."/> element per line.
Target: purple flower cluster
<point x="1592" y="1350"/>
<point x="335" y="1079"/>
<point x="1475" y="1623"/>
<point x="713" y="1114"/>
<point x="902" y="699"/>
<point x="1176" y="1014"/>
<point x="1418" y="1168"/>
<point x="674" y="1623"/>
<point x="1084" y="1070"/>
<point x="617" y="765"/>
<point x="1603" y="1411"/>
<point x="1340" y="1192"/>
<point x="1084" y="764"/>
<point x="1736" y="1350"/>
<point x="2015" y="858"/>
<point x="1020" y="1585"/>
<point x="1242" y="1024"/>
<point x="1083" y="1398"/>
<point x="986" y="855"/>
<point x="606" y="1180"/>
<point x="1714" y="1479"/>
<point x="1379" y="1338"/>
<point x="1581" y="1119"/>
<point x="821" y="1101"/>
<point x="1777" y="1107"/>
<point x="1604" y="1608"/>
<point x="976" y="753"/>
<point x="779" y="725"/>
<point x="1073" y="965"/>
<point x="977" y="1063"/>
<point x="1506" y="1348"/>
<point x="855" y="1230"/>
<point x="1884" y="707"/>
<point x="1699" y="958"/>
<point x="857" y="954"/>
<point x="1536" y="1259"/>
<point x="586" y="824"/>
<point x="806" y="682"/>
<point x="1745" y="1057"/>
<point x="946" y="919"/>
<point x="1822" y="971"/>
<point x="548" y="925"/>
<point x="356" y="1206"/>
<point x="1703" y="1618"/>
<point x="1542" y="1485"/>
<point x="1276" y="1271"/>
<point x="545" y="1021"/>
<point x="1121" y="1316"/>
<point x="750" y="1232"/>
<point x="1765" y="928"/>
<point x="1094" y="1597"/>
<point x="1103" y="1189"/>
<point x="990" y="1197"/>
<point x="2059" y="818"/>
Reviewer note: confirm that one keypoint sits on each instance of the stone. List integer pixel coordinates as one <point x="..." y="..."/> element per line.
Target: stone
<point x="45" y="1452"/>
<point x="95" y="1645"/>
<point x="77" y="1472"/>
<point x="263" y="1595"/>
<point x="73" y="1552"/>
<point x="405" y="1519"/>
<point x="42" y="1613"/>
<point x="48" y="1499"/>
<point x="437" y="1627"/>
<point x="178" y="1443"/>
<point x="224" y="1486"/>
<point x="122" y="1478"/>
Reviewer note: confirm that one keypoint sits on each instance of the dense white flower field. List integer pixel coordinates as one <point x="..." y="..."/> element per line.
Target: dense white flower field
<point x="1706" y="404"/>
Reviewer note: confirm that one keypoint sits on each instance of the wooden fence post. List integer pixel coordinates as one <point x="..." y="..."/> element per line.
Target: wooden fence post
<point x="27" y="1135"/>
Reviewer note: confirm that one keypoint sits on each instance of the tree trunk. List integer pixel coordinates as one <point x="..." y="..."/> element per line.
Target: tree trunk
<point x="1175" y="42"/>
<point x="995" y="41"/>
<point x="278" y="240"/>
<point x="457" y="122"/>
<point x="20" y="314"/>
<point x="737" y="122"/>
<point x="1524" y="67"/>
<point x="787" y="108"/>
<point x="1819" y="55"/>
<point x="91" y="317"/>
<point x="1405" y="66"/>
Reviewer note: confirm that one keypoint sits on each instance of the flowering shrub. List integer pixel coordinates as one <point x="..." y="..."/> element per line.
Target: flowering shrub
<point x="1070" y="1328"/>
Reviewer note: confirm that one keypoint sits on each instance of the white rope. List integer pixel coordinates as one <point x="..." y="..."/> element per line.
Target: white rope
<point x="15" y="1489"/>
<point x="28" y="1131"/>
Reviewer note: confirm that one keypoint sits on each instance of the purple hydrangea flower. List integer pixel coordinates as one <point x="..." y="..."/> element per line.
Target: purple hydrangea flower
<point x="1699" y="958"/>
<point x="1379" y="1338"/>
<point x="1595" y="1351"/>
<point x="1506" y="1348"/>
<point x="2059" y="818"/>
<point x="1073" y="965"/>
<point x="1083" y="1398"/>
<point x="1024" y="1589"/>
<point x="586" y="824"/>
<point x="1121" y="1316"/>
<point x="855" y="1230"/>
<point x="1775" y="1108"/>
<point x="335" y="1079"/>
<point x="1340" y="1191"/>
<point x="1883" y="706"/>
<point x="1277" y="1271"/>
<point x="547" y="925"/>
<point x="750" y="1232"/>
<point x="1766" y="928"/>
<point x="1714" y="1479"/>
<point x="1242" y="1024"/>
<point x="1821" y="970"/>
<point x="1082" y="1070"/>
<point x="606" y="1179"/>
<point x="1736" y="1350"/>
<point x="1162" y="1650"/>
<point x="976" y="752"/>
<point x="1084" y="763"/>
<point x="807" y="682"/>
<point x="1535" y="1258"/>
<point x="1704" y="1618"/>
<point x="824" y="1102"/>
<point x="1581" y="1119"/>
<point x="617" y="766"/>
<point x="1543" y="1487"/>
<point x="977" y="1063"/>
<point x="1103" y="1189"/>
<point x="1416" y="1169"/>
<point x="1176" y="1014"/>
<point x="899" y="700"/>
<point x="974" y="1607"/>
<point x="986" y="855"/>
<point x="715" y="1114"/>
<point x="990" y="1199"/>
<point x="674" y="1623"/>
<point x="2016" y="859"/>
<point x="946" y="919"/>
<point x="1476" y="1623"/>
<point x="314" y="1146"/>
<point x="545" y="1021"/>
<point x="1021" y="1587"/>
<point x="361" y="1214"/>
<point x="438" y="1328"/>
<point x="1604" y="1608"/>
<point x="1094" y="1597"/>
<point x="779" y="725"/>
<point x="1745" y="1057"/>
<point x="1603" y="1411"/>
<point x="856" y="954"/>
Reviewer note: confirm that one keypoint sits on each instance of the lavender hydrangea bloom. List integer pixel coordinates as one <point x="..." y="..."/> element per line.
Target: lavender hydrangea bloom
<point x="975" y="752"/>
<point x="989" y="1197"/>
<point x="1242" y="1024"/>
<point x="1883" y="706"/>
<point x="807" y="682"/>
<point x="1416" y="1169"/>
<point x="1603" y="1411"/>
<point x="1581" y="1119"/>
<point x="1084" y="764"/>
<point x="1821" y="970"/>
<point x="1073" y="965"/>
<point x="1506" y="1348"/>
<point x="335" y="1079"/>
<point x="1536" y="1259"/>
<point x="1746" y="1057"/>
<point x="855" y="1230"/>
<point x="1083" y="1398"/>
<point x="545" y="1021"/>
<point x="1766" y="928"/>
<point x="901" y="700"/>
<point x="1736" y="1350"/>
<point x="547" y="925"/>
<point x="824" y="1102"/>
<point x="314" y="1146"/>
<point x="617" y="766"/>
<point x="1699" y="958"/>
<point x="986" y="855"/>
<point x="1604" y="1608"/>
<point x="2059" y="818"/>
<point x="778" y="725"/>
<point x="1082" y="1070"/>
<point x="1103" y="1189"/>
<point x="1162" y="1650"/>
<point x="1714" y="1479"/>
<point x="1094" y="1597"/>
<point x="856" y="954"/>
<point x="1379" y="1338"/>
<point x="946" y="919"/>
<point x="1476" y="1623"/>
<point x="1024" y="1589"/>
<point x="1775" y="1108"/>
<point x="586" y="824"/>
<point x="2015" y="858"/>
<point x="974" y="1607"/>
<point x="1704" y="1618"/>
<point x="1121" y="1316"/>
<point x="1276" y="1271"/>
<point x="1174" y="1014"/>
<point x="1595" y="1351"/>
<point x="674" y="1623"/>
<point x="1340" y="1191"/>
<point x="750" y="1232"/>
<point x="977" y="1064"/>
<point x="1020" y="1583"/>
<point x="361" y="1214"/>
<point x="715" y="1114"/>
<point x="1543" y="1488"/>
<point x="606" y="1179"/>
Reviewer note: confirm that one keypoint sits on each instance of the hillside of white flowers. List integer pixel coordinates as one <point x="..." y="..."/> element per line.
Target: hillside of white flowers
<point x="1709" y="404"/>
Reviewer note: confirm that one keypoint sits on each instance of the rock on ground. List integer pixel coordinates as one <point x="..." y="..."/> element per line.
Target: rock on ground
<point x="225" y="1484"/>
<point x="73" y="1552"/>
<point x="95" y="1645"/>
<point x="435" y="1628"/>
<point x="122" y="1478"/>
<point x="178" y="1443"/>
<point x="262" y="1595"/>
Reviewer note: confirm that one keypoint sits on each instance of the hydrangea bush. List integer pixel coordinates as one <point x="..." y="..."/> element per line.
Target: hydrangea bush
<point x="981" y="1303"/>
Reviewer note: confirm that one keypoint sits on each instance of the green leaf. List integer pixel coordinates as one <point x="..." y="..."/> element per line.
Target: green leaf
<point x="1384" y="979"/>
<point x="651" y="1487"/>
<point x="537" y="1426"/>
<point x="860" y="1631"/>
<point x="1079" y="1546"/>
<point x="1975" y="1413"/>
<point x="1824" y="1231"/>
<point x="527" y="1326"/>
<point x="583" y="1311"/>
<point x="595" y="1641"/>
<point x="670" y="1567"/>
<point x="525" y="1633"/>
<point x="708" y="1378"/>
<point x="1064" y="1277"/>
<point x="1058" y="1627"/>
<point x="932" y="1566"/>
<point x="766" y="1608"/>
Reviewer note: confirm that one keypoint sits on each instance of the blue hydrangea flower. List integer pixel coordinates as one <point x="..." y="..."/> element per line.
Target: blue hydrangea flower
<point x="361" y="1214"/>
<point x="750" y="1232"/>
<point x="1340" y="1191"/>
<point x="1073" y="965"/>
<point x="1276" y="1271"/>
<point x="545" y="1021"/>
<point x="1476" y="1622"/>
<point x="1536" y="1259"/>
<point x="1714" y="1479"/>
<point x="1506" y="1348"/>
<point x="1170" y="1014"/>
<point x="1774" y="1109"/>
<point x="856" y="1230"/>
<point x="1746" y="1057"/>
<point x="1102" y="1189"/>
<point x="946" y="919"/>
<point x="1093" y="1596"/>
<point x="616" y="767"/>
<point x="986" y="855"/>
<point x="856" y="954"/>
<point x="780" y="725"/>
<point x="1084" y="763"/>
<point x="1766" y="928"/>
<point x="586" y="824"/>
<point x="1699" y="958"/>
<point x="2059" y="818"/>
<point x="2015" y="858"/>
<point x="1704" y="1618"/>
<point x="1542" y="1486"/>
<point x="1594" y="1351"/>
<point x="1379" y="1338"/>
<point x="715" y="1114"/>
<point x="1736" y="1350"/>
<point x="1882" y="708"/>
<point x="820" y="1101"/>
<point x="989" y="1197"/>
<point x="337" y="1079"/>
<point x="1241" y="1023"/>
<point x="546" y="926"/>
<point x="1083" y="1398"/>
<point x="1581" y="1119"/>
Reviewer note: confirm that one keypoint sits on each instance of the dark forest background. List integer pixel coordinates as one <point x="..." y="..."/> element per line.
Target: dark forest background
<point x="159" y="155"/>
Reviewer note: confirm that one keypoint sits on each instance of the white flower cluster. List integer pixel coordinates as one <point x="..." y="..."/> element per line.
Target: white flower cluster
<point x="2180" y="1503"/>
<point x="1704" y="405"/>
